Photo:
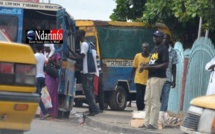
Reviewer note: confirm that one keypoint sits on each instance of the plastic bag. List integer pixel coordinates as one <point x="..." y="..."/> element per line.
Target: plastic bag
<point x="46" y="98"/>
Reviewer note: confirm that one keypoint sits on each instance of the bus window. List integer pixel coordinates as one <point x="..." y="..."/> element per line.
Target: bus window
<point x="71" y="41"/>
<point x="2" y="37"/>
<point x="9" y="25"/>
<point x="37" y="19"/>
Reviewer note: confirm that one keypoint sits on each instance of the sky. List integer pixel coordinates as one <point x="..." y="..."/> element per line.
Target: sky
<point x="87" y="9"/>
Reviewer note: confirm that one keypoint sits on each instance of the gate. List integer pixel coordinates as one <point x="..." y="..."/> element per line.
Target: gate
<point x="175" y="93"/>
<point x="197" y="78"/>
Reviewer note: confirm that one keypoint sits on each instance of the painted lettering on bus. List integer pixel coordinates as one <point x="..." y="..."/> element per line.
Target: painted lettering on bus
<point x="118" y="63"/>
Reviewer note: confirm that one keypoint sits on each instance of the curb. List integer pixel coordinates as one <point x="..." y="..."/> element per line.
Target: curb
<point x="117" y="129"/>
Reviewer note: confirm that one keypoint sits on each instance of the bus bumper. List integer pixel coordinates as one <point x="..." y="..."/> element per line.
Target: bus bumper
<point x="17" y="110"/>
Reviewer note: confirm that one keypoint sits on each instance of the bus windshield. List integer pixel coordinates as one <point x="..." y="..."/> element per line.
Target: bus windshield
<point x="2" y="37"/>
<point x="9" y="25"/>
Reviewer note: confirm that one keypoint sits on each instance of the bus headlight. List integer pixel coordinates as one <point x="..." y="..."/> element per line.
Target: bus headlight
<point x="7" y="73"/>
<point x="25" y="74"/>
<point x="17" y="74"/>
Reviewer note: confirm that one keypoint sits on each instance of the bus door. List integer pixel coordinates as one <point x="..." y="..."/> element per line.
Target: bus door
<point x="67" y="81"/>
<point x="11" y="23"/>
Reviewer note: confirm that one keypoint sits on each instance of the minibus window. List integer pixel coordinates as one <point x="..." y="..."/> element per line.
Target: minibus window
<point x="9" y="25"/>
<point x="2" y="38"/>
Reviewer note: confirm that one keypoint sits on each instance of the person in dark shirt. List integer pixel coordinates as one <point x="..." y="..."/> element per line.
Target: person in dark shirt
<point x="157" y="66"/>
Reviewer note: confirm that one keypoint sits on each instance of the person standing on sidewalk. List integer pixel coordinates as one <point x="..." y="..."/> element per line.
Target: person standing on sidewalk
<point x="52" y="82"/>
<point x="157" y="77"/>
<point x="171" y="76"/>
<point x="88" y="70"/>
<point x="141" y="76"/>
<point x="210" y="66"/>
<point x="100" y="95"/>
<point x="40" y="59"/>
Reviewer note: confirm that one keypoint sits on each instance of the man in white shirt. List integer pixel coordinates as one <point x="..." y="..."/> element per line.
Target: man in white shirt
<point x="88" y="70"/>
<point x="40" y="59"/>
<point x="210" y="66"/>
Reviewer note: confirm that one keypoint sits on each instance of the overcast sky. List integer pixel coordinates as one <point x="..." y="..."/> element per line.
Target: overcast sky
<point x="87" y="9"/>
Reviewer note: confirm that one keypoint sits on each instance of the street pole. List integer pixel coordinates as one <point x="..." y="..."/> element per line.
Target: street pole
<point x="206" y="33"/>
<point x="49" y="1"/>
<point x="200" y="27"/>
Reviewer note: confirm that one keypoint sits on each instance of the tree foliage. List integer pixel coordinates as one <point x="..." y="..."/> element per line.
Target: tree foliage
<point x="128" y="10"/>
<point x="181" y="16"/>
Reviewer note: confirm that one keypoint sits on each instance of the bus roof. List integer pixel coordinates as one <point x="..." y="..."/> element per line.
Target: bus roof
<point x="115" y="23"/>
<point x="108" y="23"/>
<point x="93" y="23"/>
<point x="31" y="5"/>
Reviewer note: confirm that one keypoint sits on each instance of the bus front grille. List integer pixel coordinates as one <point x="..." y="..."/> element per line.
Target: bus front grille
<point x="191" y="121"/>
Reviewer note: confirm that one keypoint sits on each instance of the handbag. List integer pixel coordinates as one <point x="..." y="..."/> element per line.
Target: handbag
<point x="46" y="98"/>
<point x="51" y="70"/>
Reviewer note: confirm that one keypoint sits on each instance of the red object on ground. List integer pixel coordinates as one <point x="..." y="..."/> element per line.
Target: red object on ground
<point x="96" y="85"/>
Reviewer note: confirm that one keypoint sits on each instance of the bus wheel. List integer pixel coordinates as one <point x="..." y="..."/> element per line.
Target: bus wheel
<point x="11" y="132"/>
<point x="118" y="99"/>
<point x="105" y="105"/>
<point x="60" y="114"/>
<point x="66" y="114"/>
<point x="78" y="103"/>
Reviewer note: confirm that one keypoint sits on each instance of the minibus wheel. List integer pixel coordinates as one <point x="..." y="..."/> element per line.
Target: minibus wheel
<point x="105" y="105"/>
<point x="78" y="103"/>
<point x="118" y="99"/>
<point x="11" y="132"/>
<point x="66" y="114"/>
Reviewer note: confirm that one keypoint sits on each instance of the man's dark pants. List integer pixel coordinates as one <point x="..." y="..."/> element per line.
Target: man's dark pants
<point x="101" y="92"/>
<point x="87" y="82"/>
<point x="140" y="93"/>
<point x="40" y="85"/>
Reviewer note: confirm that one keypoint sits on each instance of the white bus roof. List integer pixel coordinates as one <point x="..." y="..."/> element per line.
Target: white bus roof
<point x="30" y="5"/>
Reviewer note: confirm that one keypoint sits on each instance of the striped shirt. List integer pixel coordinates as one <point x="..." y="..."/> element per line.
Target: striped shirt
<point x="98" y="63"/>
<point x="172" y="61"/>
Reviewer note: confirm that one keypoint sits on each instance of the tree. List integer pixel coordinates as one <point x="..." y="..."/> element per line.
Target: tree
<point x="128" y="10"/>
<point x="181" y="16"/>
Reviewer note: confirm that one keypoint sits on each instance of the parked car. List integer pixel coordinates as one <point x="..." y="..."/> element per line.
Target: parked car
<point x="200" y="117"/>
<point x="18" y="100"/>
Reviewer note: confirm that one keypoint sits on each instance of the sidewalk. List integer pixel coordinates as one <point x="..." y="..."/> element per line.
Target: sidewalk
<point x="119" y="122"/>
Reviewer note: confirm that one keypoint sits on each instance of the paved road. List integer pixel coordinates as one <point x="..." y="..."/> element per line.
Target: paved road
<point x="70" y="126"/>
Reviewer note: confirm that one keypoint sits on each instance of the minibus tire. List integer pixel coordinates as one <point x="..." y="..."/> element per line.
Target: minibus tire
<point x="60" y="114"/>
<point x="105" y="105"/>
<point x="11" y="132"/>
<point x="66" y="115"/>
<point x="118" y="99"/>
<point x="79" y="103"/>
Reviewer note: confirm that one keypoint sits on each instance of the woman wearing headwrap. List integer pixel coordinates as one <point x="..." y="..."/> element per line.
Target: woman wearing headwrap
<point x="52" y="83"/>
<point x="52" y="50"/>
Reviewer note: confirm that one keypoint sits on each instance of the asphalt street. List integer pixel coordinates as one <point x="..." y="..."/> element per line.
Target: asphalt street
<point x="108" y="122"/>
<point x="70" y="126"/>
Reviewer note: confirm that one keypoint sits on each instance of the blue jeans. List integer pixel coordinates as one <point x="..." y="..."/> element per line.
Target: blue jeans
<point x="40" y="85"/>
<point x="87" y="83"/>
<point x="165" y="96"/>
